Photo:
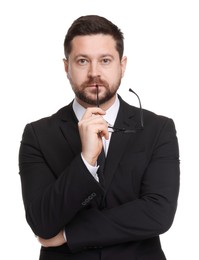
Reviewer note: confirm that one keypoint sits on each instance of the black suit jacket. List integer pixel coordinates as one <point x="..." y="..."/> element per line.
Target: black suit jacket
<point x="121" y="220"/>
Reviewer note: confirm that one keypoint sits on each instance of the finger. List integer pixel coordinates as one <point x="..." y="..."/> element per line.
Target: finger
<point x="104" y="133"/>
<point x="101" y="129"/>
<point x="92" y="121"/>
<point x="93" y="111"/>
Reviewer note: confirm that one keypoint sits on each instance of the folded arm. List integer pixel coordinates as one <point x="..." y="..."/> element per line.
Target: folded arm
<point x="147" y="216"/>
<point x="52" y="199"/>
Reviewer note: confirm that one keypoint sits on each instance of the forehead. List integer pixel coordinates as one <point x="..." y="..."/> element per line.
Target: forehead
<point x="98" y="44"/>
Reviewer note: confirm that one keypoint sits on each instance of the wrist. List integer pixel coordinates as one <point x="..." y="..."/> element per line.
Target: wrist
<point x="90" y="160"/>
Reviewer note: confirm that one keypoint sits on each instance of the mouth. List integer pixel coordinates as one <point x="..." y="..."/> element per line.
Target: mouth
<point x="95" y="85"/>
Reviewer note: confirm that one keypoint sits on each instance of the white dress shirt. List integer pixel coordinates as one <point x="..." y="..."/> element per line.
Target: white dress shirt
<point x="110" y="117"/>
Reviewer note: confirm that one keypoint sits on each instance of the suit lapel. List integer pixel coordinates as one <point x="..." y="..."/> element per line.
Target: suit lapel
<point x="119" y="141"/>
<point x="69" y="129"/>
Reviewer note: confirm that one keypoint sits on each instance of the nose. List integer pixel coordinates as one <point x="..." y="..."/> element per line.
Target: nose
<point x="93" y="70"/>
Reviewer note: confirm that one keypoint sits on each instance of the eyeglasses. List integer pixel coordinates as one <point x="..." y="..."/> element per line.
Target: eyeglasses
<point x="113" y="129"/>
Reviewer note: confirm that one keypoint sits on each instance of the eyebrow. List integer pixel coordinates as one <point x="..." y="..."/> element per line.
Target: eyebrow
<point x="87" y="56"/>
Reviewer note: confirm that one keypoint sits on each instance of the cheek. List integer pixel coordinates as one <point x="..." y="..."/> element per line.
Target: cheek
<point x="71" y="77"/>
<point x="71" y="74"/>
<point x="115" y="75"/>
<point x="68" y="76"/>
<point x="76" y="77"/>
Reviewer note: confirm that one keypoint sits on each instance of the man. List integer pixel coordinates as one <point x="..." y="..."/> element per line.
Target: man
<point x="78" y="207"/>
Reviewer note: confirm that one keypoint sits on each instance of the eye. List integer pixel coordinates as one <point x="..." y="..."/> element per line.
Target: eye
<point x="82" y="61"/>
<point x="105" y="61"/>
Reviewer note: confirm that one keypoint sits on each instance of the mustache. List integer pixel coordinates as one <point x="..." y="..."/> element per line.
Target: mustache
<point x="95" y="81"/>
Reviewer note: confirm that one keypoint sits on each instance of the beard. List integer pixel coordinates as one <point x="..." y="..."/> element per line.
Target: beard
<point x="88" y="94"/>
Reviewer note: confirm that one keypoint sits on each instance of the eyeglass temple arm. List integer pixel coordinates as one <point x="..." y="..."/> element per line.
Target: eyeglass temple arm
<point x="141" y="111"/>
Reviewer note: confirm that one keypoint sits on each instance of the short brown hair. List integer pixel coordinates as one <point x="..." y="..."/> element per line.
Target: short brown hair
<point x="91" y="25"/>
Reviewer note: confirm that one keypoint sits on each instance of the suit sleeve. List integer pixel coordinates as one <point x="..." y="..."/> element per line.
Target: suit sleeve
<point x="50" y="201"/>
<point x="151" y="214"/>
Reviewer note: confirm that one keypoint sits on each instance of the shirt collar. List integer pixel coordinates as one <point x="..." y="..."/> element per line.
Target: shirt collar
<point x="110" y="116"/>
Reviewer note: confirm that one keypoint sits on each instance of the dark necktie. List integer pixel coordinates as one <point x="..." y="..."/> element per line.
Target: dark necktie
<point x="101" y="162"/>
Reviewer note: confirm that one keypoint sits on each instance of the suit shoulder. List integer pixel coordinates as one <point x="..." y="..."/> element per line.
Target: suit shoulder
<point x="47" y="126"/>
<point x="154" y="116"/>
<point x="49" y="120"/>
<point x="158" y="123"/>
<point x="147" y="114"/>
<point x="47" y="129"/>
<point x="151" y="119"/>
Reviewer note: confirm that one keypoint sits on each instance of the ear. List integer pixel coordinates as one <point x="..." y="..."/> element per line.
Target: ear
<point x="123" y="64"/>
<point x="65" y="65"/>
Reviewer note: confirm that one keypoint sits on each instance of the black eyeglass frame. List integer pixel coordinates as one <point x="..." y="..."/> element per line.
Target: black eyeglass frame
<point x="113" y="129"/>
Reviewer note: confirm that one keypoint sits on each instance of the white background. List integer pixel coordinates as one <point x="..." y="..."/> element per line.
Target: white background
<point x="162" y="46"/>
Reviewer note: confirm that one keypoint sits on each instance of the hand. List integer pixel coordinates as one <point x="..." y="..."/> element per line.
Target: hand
<point x="57" y="240"/>
<point x="92" y="127"/>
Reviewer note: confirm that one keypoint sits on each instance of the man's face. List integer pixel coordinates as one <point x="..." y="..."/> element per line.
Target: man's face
<point x="94" y="61"/>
